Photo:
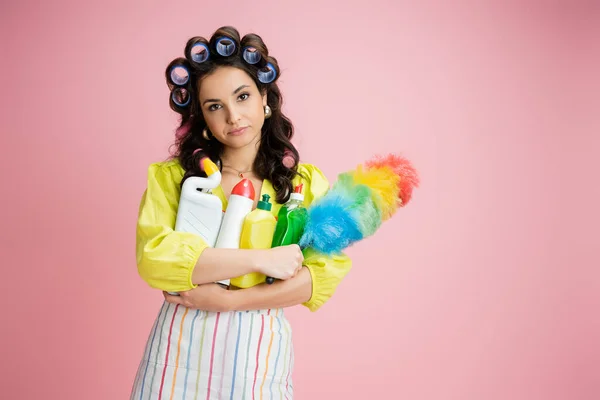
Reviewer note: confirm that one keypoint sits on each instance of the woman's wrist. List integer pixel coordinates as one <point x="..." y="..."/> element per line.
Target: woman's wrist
<point x="256" y="260"/>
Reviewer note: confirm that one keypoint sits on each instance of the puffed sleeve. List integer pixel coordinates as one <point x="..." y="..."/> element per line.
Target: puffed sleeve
<point x="327" y="271"/>
<point x="165" y="258"/>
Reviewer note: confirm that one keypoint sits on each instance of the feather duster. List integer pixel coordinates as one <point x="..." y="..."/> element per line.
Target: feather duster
<point x="358" y="202"/>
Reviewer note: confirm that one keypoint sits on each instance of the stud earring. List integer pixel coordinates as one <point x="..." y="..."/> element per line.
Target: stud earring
<point x="267" y="112"/>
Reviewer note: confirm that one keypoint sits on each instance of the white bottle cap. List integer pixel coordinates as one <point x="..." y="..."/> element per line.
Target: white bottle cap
<point x="297" y="193"/>
<point x="297" y="196"/>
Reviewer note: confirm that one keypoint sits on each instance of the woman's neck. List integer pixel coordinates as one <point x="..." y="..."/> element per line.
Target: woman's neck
<point x="241" y="159"/>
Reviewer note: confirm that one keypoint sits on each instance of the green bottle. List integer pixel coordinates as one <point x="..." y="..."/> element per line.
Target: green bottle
<point x="291" y="220"/>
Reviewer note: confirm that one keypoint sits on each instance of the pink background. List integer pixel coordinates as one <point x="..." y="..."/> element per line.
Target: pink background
<point x="485" y="287"/>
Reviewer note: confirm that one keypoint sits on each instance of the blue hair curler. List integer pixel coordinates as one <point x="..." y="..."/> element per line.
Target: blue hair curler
<point x="199" y="52"/>
<point x="251" y="55"/>
<point x="267" y="74"/>
<point x="181" y="97"/>
<point x="225" y="46"/>
<point x="179" y="75"/>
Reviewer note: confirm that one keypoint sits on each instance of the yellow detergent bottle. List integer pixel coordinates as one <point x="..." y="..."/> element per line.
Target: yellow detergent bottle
<point x="257" y="233"/>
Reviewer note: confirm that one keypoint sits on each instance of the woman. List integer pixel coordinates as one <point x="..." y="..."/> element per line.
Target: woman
<point x="210" y="342"/>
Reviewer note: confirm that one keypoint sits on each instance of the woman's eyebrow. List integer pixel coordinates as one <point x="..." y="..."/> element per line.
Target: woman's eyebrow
<point x="217" y="100"/>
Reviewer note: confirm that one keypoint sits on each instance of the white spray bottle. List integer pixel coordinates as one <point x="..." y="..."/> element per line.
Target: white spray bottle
<point x="240" y="204"/>
<point x="200" y="211"/>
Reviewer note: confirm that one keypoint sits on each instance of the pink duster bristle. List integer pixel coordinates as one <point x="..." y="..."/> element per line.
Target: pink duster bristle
<point x="409" y="178"/>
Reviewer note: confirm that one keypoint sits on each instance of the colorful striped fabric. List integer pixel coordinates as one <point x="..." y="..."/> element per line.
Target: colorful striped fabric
<point x="199" y="355"/>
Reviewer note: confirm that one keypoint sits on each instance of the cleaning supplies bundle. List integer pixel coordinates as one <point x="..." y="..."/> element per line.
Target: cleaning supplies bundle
<point x="353" y="209"/>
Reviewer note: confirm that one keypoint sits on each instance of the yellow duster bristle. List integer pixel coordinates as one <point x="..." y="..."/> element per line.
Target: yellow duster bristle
<point x="384" y="186"/>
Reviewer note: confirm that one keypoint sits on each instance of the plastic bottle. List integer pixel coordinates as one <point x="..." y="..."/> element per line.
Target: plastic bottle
<point x="240" y="204"/>
<point x="257" y="233"/>
<point x="290" y="222"/>
<point x="199" y="211"/>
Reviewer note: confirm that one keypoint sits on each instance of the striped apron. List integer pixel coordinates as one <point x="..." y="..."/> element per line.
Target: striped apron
<point x="200" y="355"/>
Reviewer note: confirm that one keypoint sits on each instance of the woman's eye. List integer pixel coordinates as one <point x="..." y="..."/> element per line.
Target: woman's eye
<point x="213" y="107"/>
<point x="243" y="96"/>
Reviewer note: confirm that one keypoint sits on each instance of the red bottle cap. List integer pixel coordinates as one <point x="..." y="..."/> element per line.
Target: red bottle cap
<point x="298" y="189"/>
<point x="244" y="188"/>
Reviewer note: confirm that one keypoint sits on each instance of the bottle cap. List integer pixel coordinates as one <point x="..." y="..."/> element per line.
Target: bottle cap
<point x="297" y="194"/>
<point x="208" y="166"/>
<point x="244" y="188"/>
<point x="264" y="203"/>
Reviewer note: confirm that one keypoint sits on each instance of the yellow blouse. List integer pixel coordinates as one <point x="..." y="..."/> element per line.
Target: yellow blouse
<point x="166" y="258"/>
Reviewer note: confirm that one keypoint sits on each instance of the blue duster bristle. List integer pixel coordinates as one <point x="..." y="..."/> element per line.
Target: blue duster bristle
<point x="330" y="225"/>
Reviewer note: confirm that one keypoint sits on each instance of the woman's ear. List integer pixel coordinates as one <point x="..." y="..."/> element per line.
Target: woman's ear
<point x="264" y="98"/>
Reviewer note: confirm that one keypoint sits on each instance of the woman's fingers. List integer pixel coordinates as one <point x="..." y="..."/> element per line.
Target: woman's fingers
<point x="172" y="299"/>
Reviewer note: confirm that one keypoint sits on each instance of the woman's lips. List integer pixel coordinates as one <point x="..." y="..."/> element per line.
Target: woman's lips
<point x="238" y="132"/>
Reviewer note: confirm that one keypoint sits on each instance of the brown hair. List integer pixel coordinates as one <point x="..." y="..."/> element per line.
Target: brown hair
<point x="276" y="133"/>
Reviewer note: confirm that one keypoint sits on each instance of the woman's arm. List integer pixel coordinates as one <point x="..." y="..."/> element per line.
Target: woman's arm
<point x="290" y="292"/>
<point x="212" y="297"/>
<point x="312" y="287"/>
<point x="217" y="264"/>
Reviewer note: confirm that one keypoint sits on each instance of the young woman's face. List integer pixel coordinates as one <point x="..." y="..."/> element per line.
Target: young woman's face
<point x="232" y="107"/>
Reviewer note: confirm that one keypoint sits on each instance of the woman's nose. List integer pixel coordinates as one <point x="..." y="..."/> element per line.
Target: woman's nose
<point x="233" y="116"/>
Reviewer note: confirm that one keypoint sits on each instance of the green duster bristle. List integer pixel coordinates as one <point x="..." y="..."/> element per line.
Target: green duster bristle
<point x="364" y="210"/>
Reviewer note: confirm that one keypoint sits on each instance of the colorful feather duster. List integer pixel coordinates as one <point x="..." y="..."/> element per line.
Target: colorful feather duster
<point x="358" y="202"/>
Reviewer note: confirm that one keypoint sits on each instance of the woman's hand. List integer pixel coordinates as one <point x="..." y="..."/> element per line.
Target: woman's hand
<point x="208" y="297"/>
<point x="282" y="262"/>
